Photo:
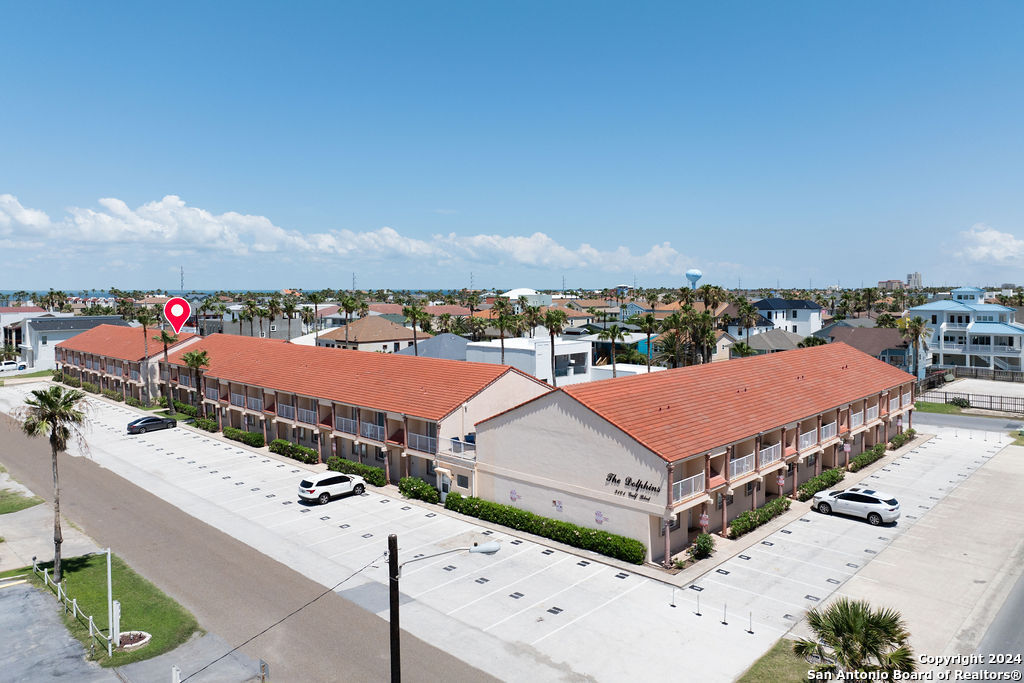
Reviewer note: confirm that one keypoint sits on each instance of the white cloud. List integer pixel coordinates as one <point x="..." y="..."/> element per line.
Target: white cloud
<point x="985" y="244"/>
<point x="169" y="227"/>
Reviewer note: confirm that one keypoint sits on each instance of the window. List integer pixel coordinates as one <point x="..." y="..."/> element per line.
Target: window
<point x="750" y="486"/>
<point x="463" y="481"/>
<point x="381" y="456"/>
<point x="262" y="334"/>
<point x="789" y="469"/>
<point x="718" y="501"/>
<point x="935" y="320"/>
<point x="811" y="459"/>
<point x="673" y="525"/>
<point x="273" y="328"/>
<point x="794" y="329"/>
<point x="430" y="468"/>
<point x="792" y="314"/>
<point x="396" y="346"/>
<point x="44" y="340"/>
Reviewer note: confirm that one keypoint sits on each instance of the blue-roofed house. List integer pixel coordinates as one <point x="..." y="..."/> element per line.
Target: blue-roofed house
<point x="964" y="331"/>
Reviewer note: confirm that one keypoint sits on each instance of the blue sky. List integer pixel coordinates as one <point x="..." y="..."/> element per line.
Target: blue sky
<point x="290" y="144"/>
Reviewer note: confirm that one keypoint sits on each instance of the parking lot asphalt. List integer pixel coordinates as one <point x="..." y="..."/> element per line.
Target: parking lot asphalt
<point x="530" y="609"/>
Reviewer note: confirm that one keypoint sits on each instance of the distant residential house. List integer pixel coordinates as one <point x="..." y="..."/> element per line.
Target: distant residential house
<point x="798" y="316"/>
<point x="774" y="341"/>
<point x="860" y="322"/>
<point x="40" y="336"/>
<point x="277" y="328"/>
<point x="533" y="356"/>
<point x="531" y="296"/>
<point x="446" y="346"/>
<point x="372" y="333"/>
<point x="885" y="344"/>
<point x="730" y="322"/>
<point x="13" y="314"/>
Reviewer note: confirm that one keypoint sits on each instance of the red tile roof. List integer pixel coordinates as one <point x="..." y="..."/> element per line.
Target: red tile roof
<point x="22" y="309"/>
<point x="682" y="412"/>
<point x="440" y="309"/>
<point x="430" y="388"/>
<point x="122" y="343"/>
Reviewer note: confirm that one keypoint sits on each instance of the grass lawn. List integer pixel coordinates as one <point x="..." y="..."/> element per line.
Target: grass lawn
<point x="180" y="417"/>
<point x="1018" y="440"/>
<point x="12" y="501"/>
<point x="778" y="665"/>
<point x="40" y="373"/>
<point x="944" y="408"/>
<point x="144" y="607"/>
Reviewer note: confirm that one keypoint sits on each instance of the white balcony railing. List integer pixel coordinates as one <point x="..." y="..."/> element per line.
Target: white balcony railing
<point x="856" y="419"/>
<point x="306" y="415"/>
<point x="957" y="325"/>
<point x="286" y="410"/>
<point x="254" y="403"/>
<point x="371" y="431"/>
<point x="457" y="447"/>
<point x="808" y="439"/>
<point x="422" y="443"/>
<point x="740" y="466"/>
<point x="906" y="398"/>
<point x="894" y="404"/>
<point x="770" y="454"/>
<point x="871" y="413"/>
<point x="347" y="425"/>
<point x="212" y="393"/>
<point x="185" y="380"/>
<point x="687" y="488"/>
<point x="237" y="399"/>
<point x="829" y="431"/>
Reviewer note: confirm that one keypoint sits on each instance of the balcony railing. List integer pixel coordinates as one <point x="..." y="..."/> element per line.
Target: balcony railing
<point x="306" y="415"/>
<point x="770" y="454"/>
<point x="741" y="466"/>
<point x="856" y="419"/>
<point x="286" y="411"/>
<point x="829" y="431"/>
<point x="687" y="488"/>
<point x="237" y="399"/>
<point x="808" y="439"/>
<point x="371" y="431"/>
<point x="185" y="380"/>
<point x="422" y="443"/>
<point x="347" y="425"/>
<point x="212" y="393"/>
<point x="457" y="447"/>
<point x="135" y="375"/>
<point x="949" y="324"/>
<point x="906" y="398"/>
<point x="894" y="404"/>
<point x="871" y="413"/>
<point x="254" y="403"/>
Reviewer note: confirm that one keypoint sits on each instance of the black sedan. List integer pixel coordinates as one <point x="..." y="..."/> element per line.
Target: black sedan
<point x="150" y="424"/>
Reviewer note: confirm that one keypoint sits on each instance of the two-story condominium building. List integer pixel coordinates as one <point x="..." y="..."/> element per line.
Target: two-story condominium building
<point x="645" y="456"/>
<point x="118" y="358"/>
<point x="411" y="416"/>
<point x="798" y="316"/>
<point x="963" y="331"/>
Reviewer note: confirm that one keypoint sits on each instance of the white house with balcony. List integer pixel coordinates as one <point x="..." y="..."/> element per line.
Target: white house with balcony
<point x="531" y="296"/>
<point x="532" y="355"/>
<point x="964" y="331"/>
<point x="798" y="316"/>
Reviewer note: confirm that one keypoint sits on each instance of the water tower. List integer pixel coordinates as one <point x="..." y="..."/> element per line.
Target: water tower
<point x="693" y="275"/>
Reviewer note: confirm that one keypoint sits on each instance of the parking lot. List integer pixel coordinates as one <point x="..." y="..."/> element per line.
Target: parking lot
<point x="530" y="609"/>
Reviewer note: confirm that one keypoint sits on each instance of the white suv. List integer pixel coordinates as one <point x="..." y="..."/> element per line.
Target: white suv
<point x="875" y="506"/>
<point x="11" y="365"/>
<point x="326" y="485"/>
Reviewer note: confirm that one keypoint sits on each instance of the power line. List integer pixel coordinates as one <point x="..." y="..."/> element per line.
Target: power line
<point x="291" y="614"/>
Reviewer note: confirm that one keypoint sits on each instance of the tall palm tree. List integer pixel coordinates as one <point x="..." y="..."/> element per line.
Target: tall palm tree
<point x="145" y="317"/>
<point x="316" y="298"/>
<point x="851" y="636"/>
<point x="251" y="309"/>
<point x="647" y="324"/>
<point x="349" y="304"/>
<point x="56" y="412"/>
<point x="262" y="314"/>
<point x="555" y="321"/>
<point x="413" y="313"/>
<point x="505" y="321"/>
<point x="207" y="305"/>
<point x="444" y="323"/>
<point x="532" y="317"/>
<point x="166" y="338"/>
<point x="914" y="331"/>
<point x="614" y="334"/>
<point x="671" y="347"/>
<point x="196" y="361"/>
<point x="476" y="327"/>
<point x="308" y="317"/>
<point x="685" y="295"/>
<point x="274" y="311"/>
<point x="289" y="309"/>
<point x="747" y="316"/>
<point x="702" y="335"/>
<point x="711" y="295"/>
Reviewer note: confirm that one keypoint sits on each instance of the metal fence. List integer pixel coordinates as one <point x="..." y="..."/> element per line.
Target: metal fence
<point x="986" y="373"/>
<point x="70" y="605"/>
<point x="1006" y="404"/>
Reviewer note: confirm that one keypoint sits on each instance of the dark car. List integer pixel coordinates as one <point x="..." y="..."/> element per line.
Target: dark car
<point x="150" y="424"/>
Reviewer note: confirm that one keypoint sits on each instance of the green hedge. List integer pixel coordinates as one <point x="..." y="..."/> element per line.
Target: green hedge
<point x="186" y="409"/>
<point x="751" y="519"/>
<point x="205" y="423"/>
<point x="901" y="439"/>
<point x="253" y="439"/>
<point x="295" y="451"/>
<point x="112" y="395"/>
<point x="72" y="382"/>
<point x="960" y="402"/>
<point x="90" y="387"/>
<point x="58" y="376"/>
<point x="413" y="487"/>
<point x="134" y="402"/>
<point x="372" y="475"/>
<point x="825" y="480"/>
<point x="162" y="401"/>
<point x="612" y="545"/>
<point x="867" y="457"/>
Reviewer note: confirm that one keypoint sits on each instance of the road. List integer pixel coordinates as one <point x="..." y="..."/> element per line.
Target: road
<point x="1004" y="635"/>
<point x="231" y="588"/>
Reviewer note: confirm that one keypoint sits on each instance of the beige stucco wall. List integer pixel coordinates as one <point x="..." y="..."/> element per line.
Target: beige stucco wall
<point x="557" y="455"/>
<point x="509" y="390"/>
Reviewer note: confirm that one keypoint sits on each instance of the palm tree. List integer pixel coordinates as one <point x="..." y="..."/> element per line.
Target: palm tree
<point x="613" y="334"/>
<point x="685" y="296"/>
<point x="413" y="313"/>
<point x="532" y="317"/>
<point x="308" y="317"/>
<point x="316" y="298"/>
<point x="349" y="304"/>
<point x="711" y="295"/>
<point x="196" y="361"/>
<point x="243" y="316"/>
<point x="289" y="309"/>
<point x="147" y="319"/>
<point x="262" y="313"/>
<point x="476" y="327"/>
<point x="747" y="315"/>
<point x="851" y="636"/>
<point x="166" y="338"/>
<point x="914" y="331"/>
<point x="742" y="350"/>
<point x="647" y="324"/>
<point x="808" y="342"/>
<point x="887" y="320"/>
<point x="702" y="334"/>
<point x="671" y="349"/>
<point x="274" y="310"/>
<point x="55" y="412"/>
<point x="251" y="309"/>
<point x="555" y="321"/>
<point x="205" y="307"/>
<point x="444" y="323"/>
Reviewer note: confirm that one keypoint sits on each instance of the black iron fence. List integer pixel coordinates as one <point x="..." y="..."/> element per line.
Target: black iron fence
<point x="986" y="373"/>
<point x="1006" y="404"/>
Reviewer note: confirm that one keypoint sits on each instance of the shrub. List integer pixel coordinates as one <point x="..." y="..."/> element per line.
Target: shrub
<point x="162" y="401"/>
<point x="372" y="475"/>
<point x="826" y="479"/>
<point x="900" y="439"/>
<point x="751" y="519"/>
<point x="186" y="409"/>
<point x="959" y="402"/>
<point x="72" y="382"/>
<point x="701" y="547"/>
<point x="413" y="487"/>
<point x="294" y="451"/>
<point x="112" y="395"/>
<point x="248" y="438"/>
<point x="612" y="545"/>
<point x="58" y="376"/>
<point x="867" y="457"/>
<point x="90" y="387"/>
<point x="206" y="424"/>
<point x="134" y="402"/>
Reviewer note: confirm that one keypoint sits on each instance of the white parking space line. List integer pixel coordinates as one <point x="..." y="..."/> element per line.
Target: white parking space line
<point x="547" y="598"/>
<point x="707" y="578"/>
<point x="518" y="580"/>
<point x="587" y="614"/>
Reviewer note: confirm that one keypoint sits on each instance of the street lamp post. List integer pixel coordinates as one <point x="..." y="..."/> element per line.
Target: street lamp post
<point x="395" y="573"/>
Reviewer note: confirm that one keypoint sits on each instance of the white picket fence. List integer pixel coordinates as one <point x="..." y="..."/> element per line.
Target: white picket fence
<point x="110" y="641"/>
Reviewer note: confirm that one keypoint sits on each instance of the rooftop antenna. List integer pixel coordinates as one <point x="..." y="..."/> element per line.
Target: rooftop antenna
<point x="563" y="286"/>
<point x="470" y="280"/>
<point x="353" y="281"/>
<point x="182" y="279"/>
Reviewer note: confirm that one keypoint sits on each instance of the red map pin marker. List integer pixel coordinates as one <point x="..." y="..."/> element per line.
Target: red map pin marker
<point x="177" y="311"/>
